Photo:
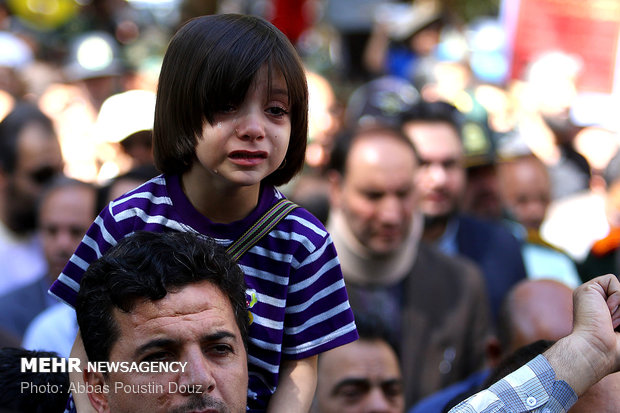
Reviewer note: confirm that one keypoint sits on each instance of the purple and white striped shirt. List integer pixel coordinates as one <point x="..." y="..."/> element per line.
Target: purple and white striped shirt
<point x="298" y="300"/>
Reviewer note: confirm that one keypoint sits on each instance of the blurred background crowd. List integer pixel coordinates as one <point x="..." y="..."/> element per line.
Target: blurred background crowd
<point x="537" y="119"/>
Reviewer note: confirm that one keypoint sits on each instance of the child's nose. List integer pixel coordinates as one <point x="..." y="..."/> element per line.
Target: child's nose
<point x="251" y="126"/>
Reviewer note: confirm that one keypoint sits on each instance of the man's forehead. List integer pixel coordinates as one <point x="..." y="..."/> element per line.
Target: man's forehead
<point x="433" y="134"/>
<point x="45" y="154"/>
<point x="187" y="311"/>
<point x="187" y="300"/>
<point x="359" y="358"/>
<point x="379" y="150"/>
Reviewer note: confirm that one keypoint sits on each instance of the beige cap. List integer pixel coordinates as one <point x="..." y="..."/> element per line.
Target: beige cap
<point x="124" y="114"/>
<point x="414" y="18"/>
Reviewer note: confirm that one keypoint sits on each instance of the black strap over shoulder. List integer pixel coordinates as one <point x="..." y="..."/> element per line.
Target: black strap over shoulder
<point x="260" y="228"/>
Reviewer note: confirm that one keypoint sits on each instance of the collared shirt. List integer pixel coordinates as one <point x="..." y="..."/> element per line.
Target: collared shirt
<point x="21" y="259"/>
<point x="532" y="388"/>
<point x="447" y="242"/>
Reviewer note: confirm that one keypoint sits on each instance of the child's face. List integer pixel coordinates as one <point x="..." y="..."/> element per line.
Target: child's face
<point x="248" y="141"/>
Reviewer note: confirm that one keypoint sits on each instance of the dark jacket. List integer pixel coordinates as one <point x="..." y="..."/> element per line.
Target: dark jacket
<point x="496" y="251"/>
<point x="444" y="321"/>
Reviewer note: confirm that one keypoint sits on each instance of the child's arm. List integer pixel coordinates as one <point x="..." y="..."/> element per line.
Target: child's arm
<point x="82" y="403"/>
<point x="296" y="386"/>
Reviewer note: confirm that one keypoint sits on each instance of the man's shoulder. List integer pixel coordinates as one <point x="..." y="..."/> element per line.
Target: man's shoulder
<point x="467" y="222"/>
<point x="437" y="401"/>
<point x="28" y="293"/>
<point x="14" y="313"/>
<point x="435" y="271"/>
<point x="432" y="259"/>
<point x="485" y="232"/>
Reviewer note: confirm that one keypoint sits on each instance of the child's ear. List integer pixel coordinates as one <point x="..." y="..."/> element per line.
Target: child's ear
<point x="96" y="391"/>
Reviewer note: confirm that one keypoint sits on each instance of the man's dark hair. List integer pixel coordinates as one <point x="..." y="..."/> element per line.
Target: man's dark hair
<point x="148" y="265"/>
<point x="15" y="399"/>
<point x="345" y="140"/>
<point x="210" y="63"/>
<point x="22" y="115"/>
<point x="141" y="173"/>
<point x="434" y="112"/>
<point x="142" y="138"/>
<point x="518" y="358"/>
<point x="63" y="182"/>
<point x="371" y="327"/>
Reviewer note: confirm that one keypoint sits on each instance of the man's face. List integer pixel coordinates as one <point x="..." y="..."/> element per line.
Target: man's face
<point x="482" y="193"/>
<point x="377" y="193"/>
<point x="529" y="301"/>
<point x="526" y="191"/>
<point x="196" y="326"/>
<point x="359" y="377"/>
<point x="64" y="217"/>
<point x="38" y="160"/>
<point x="441" y="176"/>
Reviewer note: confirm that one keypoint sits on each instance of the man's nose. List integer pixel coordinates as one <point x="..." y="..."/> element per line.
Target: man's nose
<point x="377" y="402"/>
<point x="197" y="376"/>
<point x="391" y="210"/>
<point x="437" y="173"/>
<point x="65" y="240"/>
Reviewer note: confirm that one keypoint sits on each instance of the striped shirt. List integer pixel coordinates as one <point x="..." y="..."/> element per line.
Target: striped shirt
<point x="296" y="293"/>
<point x="532" y="388"/>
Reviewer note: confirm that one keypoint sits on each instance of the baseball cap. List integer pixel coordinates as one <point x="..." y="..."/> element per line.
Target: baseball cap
<point x="93" y="54"/>
<point x="380" y="101"/>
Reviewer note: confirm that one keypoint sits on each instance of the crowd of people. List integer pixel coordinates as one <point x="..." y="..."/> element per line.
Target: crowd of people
<point x="443" y="221"/>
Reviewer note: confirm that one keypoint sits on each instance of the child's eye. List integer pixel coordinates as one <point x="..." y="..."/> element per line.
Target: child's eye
<point x="277" y="111"/>
<point x="227" y="108"/>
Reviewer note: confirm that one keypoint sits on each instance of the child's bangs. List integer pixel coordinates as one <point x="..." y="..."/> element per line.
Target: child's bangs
<point x="242" y="59"/>
<point x="281" y="63"/>
<point x="229" y="84"/>
<point x="230" y="79"/>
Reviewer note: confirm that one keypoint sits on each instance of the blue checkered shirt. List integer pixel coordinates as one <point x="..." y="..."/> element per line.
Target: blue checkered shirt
<point x="532" y="388"/>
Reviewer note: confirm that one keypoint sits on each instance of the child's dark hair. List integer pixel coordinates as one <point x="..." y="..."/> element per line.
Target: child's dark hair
<point x="211" y="62"/>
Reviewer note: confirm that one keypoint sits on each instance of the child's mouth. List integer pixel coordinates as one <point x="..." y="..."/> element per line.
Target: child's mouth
<point x="247" y="158"/>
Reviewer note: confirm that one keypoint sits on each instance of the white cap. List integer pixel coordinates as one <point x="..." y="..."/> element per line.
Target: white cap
<point x="596" y="109"/>
<point x="93" y="54"/>
<point x="407" y="19"/>
<point x="124" y="114"/>
<point x="14" y="52"/>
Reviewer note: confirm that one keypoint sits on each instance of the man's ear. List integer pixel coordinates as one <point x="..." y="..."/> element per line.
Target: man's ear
<point x="493" y="349"/>
<point x="96" y="390"/>
<point x="3" y="178"/>
<point x="335" y="188"/>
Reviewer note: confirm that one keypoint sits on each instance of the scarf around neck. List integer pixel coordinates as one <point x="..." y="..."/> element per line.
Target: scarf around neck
<point x="360" y="266"/>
